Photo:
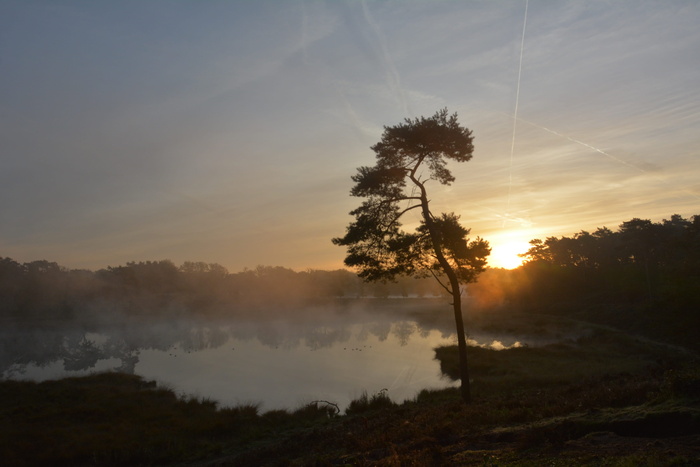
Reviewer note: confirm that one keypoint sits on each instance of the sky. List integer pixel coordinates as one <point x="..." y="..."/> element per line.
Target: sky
<point x="227" y="131"/>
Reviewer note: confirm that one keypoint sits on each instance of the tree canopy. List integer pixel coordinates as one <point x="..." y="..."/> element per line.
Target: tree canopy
<point x="408" y="157"/>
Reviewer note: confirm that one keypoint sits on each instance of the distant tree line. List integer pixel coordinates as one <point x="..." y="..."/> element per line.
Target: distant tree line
<point x="640" y="262"/>
<point x="44" y="290"/>
<point x="644" y="276"/>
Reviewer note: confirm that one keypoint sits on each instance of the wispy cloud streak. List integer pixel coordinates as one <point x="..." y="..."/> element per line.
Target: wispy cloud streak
<point x="608" y="155"/>
<point x="515" y="111"/>
<point x="392" y="75"/>
<point x="586" y="145"/>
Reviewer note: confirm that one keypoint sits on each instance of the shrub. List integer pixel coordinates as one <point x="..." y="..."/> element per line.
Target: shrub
<point x="366" y="403"/>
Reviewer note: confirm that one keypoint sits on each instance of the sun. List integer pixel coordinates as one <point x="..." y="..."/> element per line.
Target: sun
<point x="505" y="255"/>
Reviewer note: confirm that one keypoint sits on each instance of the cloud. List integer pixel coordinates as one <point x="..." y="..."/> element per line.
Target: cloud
<point x="132" y="131"/>
<point x="393" y="79"/>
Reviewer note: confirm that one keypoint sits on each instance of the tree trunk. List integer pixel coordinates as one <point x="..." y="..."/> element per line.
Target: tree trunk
<point x="456" y="296"/>
<point x="465" y="389"/>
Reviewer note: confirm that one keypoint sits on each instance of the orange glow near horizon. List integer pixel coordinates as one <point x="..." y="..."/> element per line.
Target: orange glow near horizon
<point x="504" y="253"/>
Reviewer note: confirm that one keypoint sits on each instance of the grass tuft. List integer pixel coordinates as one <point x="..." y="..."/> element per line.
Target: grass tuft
<point x="365" y="403"/>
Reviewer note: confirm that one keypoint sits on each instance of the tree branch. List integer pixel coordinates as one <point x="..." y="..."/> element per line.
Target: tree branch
<point x="407" y="209"/>
<point x="330" y="404"/>
<point x="388" y="225"/>
<point x="435" y="276"/>
<point x="403" y="198"/>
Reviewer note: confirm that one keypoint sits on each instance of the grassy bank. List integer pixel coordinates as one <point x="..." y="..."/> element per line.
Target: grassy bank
<point x="120" y="419"/>
<point x="602" y="398"/>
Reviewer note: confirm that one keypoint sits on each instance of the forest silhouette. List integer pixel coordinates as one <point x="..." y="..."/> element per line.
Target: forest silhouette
<point x="645" y="276"/>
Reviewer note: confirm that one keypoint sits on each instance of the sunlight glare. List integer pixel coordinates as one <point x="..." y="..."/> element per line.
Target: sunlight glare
<point x="505" y="255"/>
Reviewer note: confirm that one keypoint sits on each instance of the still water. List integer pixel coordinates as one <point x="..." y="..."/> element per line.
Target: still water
<point x="278" y="363"/>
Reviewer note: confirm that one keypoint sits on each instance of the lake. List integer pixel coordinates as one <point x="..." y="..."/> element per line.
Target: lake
<point x="281" y="362"/>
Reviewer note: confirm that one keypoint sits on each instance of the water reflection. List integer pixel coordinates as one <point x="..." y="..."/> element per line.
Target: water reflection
<point x="81" y="349"/>
<point x="281" y="362"/>
<point x="309" y="356"/>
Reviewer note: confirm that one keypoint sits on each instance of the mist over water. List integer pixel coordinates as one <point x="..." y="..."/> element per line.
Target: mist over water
<point x="280" y="362"/>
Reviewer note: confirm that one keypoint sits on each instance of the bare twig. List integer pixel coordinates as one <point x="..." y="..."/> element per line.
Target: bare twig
<point x="335" y="406"/>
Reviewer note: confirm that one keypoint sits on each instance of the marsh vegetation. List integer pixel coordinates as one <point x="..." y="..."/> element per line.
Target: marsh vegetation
<point x="604" y="396"/>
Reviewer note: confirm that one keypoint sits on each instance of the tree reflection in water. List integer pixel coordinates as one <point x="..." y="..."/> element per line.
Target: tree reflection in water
<point x="80" y="349"/>
<point x="234" y="353"/>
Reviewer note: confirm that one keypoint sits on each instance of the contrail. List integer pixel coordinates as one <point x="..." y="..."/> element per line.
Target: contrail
<point x="355" y="120"/>
<point x="522" y="221"/>
<point x="609" y="156"/>
<point x="393" y="78"/>
<point x="598" y="150"/>
<point x="304" y="32"/>
<point x="519" y="220"/>
<point x="515" y="112"/>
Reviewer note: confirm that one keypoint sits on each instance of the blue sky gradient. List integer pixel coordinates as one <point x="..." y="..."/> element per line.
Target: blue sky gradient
<point x="227" y="131"/>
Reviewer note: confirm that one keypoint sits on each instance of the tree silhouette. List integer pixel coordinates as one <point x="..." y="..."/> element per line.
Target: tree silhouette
<point x="641" y="261"/>
<point x="410" y="155"/>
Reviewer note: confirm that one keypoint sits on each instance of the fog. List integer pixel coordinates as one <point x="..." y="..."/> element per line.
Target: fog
<point x="331" y="352"/>
<point x="283" y="337"/>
